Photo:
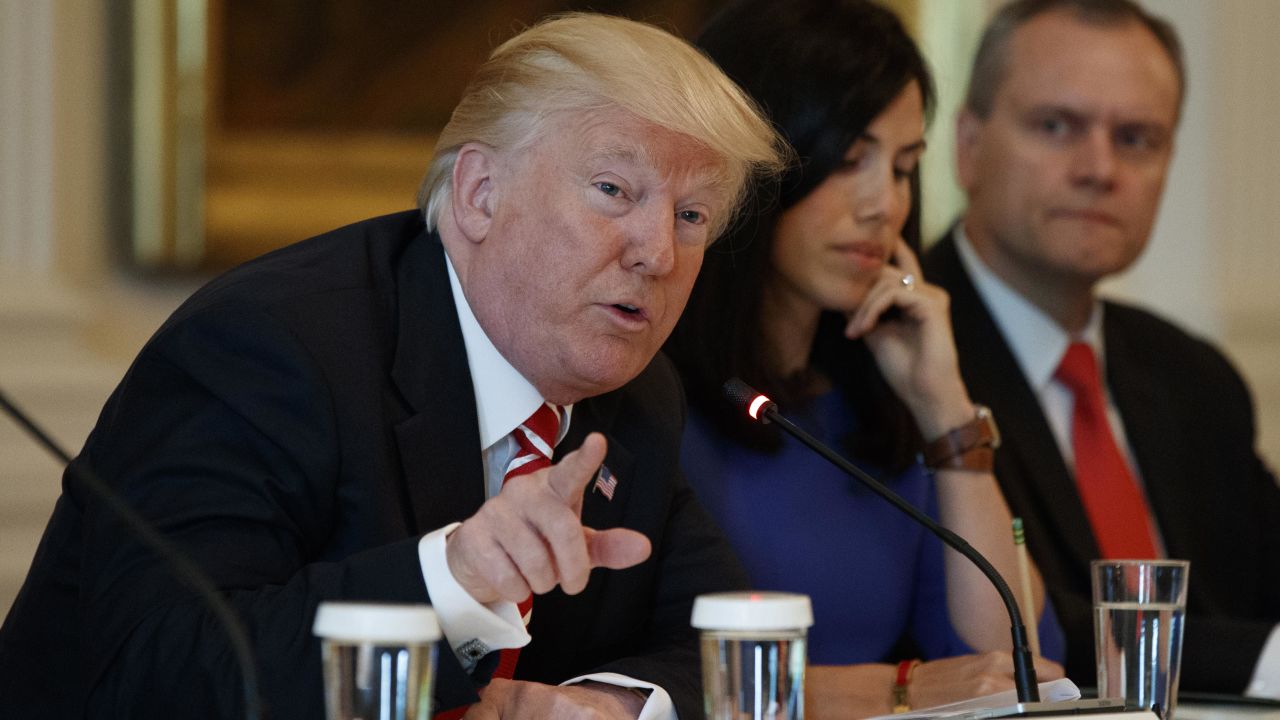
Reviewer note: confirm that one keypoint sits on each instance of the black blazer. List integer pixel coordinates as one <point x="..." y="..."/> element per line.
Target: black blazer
<point x="294" y="428"/>
<point x="1189" y="419"/>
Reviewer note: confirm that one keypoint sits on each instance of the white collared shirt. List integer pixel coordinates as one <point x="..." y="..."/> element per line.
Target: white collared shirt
<point x="504" y="400"/>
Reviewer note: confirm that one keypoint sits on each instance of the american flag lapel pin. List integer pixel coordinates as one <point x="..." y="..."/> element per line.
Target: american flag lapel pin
<point x="605" y="483"/>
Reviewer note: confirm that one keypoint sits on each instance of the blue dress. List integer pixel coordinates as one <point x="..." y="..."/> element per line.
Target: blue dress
<point x="801" y="525"/>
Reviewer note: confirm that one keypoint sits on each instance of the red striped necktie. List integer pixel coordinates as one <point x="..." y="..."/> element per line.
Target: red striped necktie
<point x="536" y="441"/>
<point x="1113" y="502"/>
<point x="536" y="438"/>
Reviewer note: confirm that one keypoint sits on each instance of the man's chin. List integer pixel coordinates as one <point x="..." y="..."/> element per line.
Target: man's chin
<point x="1097" y="252"/>
<point x="1103" y="236"/>
<point x="1102" y="264"/>
<point x="579" y="380"/>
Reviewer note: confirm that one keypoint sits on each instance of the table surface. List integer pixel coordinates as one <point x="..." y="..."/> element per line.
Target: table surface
<point x="1199" y="710"/>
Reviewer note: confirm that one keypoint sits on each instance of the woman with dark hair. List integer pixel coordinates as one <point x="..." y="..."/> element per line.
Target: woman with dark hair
<point x="817" y="299"/>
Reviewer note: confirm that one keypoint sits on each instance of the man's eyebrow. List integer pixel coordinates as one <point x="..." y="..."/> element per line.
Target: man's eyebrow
<point x="1090" y="116"/>
<point x="711" y="178"/>
<point x="1060" y="109"/>
<point x="625" y="153"/>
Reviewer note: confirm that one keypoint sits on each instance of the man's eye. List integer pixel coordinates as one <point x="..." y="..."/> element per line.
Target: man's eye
<point x="692" y="217"/>
<point x="1138" y="139"/>
<point x="609" y="189"/>
<point x="1056" y="127"/>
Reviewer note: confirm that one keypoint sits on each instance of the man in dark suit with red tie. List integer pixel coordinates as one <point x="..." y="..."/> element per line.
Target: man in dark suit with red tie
<point x="1123" y="435"/>
<point x="416" y="408"/>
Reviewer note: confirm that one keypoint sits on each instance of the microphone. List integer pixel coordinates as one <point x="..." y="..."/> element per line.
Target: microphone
<point x="759" y="407"/>
<point x="181" y="567"/>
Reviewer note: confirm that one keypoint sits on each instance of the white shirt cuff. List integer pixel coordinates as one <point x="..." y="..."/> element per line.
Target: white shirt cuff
<point x="472" y="629"/>
<point x="1266" y="674"/>
<point x="657" y="707"/>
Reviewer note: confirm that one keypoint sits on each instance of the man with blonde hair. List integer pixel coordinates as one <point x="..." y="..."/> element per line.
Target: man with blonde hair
<point x="458" y="405"/>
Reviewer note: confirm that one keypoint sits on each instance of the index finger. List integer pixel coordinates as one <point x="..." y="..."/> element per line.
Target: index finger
<point x="905" y="258"/>
<point x="569" y="477"/>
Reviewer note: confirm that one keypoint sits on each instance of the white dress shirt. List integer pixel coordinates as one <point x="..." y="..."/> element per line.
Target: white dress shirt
<point x="1038" y="343"/>
<point x="504" y="400"/>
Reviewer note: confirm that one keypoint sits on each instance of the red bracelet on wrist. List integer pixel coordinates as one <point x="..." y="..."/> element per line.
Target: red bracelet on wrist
<point x="898" y="699"/>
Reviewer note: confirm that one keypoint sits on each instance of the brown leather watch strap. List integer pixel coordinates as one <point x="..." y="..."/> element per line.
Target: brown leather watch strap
<point x="970" y="446"/>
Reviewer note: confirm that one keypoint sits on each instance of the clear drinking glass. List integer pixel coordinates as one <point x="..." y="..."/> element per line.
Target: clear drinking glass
<point x="753" y="654"/>
<point x="1138" y="611"/>
<point x="379" y="660"/>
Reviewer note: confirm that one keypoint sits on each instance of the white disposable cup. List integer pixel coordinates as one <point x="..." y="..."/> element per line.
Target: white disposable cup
<point x="379" y="660"/>
<point x="753" y="654"/>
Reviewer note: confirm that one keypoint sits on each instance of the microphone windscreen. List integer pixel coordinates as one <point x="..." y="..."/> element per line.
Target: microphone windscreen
<point x="739" y="393"/>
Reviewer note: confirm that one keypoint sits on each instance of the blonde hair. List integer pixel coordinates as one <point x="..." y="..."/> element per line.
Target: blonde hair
<point x="583" y="62"/>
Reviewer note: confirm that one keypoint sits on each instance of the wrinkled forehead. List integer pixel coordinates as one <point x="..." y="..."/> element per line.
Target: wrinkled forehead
<point x="612" y="137"/>
<point x="1114" y="68"/>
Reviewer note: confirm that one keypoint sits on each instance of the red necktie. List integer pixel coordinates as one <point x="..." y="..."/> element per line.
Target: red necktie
<point x="536" y="438"/>
<point x="1115" y="506"/>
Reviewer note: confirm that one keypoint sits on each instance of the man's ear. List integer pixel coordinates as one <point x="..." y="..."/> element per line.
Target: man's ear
<point x="968" y="130"/>
<point x="474" y="190"/>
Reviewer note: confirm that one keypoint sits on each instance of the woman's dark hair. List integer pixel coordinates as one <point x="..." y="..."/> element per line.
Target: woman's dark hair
<point x="823" y="70"/>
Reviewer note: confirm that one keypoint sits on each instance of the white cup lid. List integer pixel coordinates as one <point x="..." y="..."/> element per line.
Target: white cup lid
<point x="752" y="611"/>
<point x="376" y="622"/>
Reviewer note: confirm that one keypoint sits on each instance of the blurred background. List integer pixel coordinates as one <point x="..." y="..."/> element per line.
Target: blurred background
<point x="145" y="145"/>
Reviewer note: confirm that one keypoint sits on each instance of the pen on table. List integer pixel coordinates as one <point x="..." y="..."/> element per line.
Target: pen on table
<point x="1024" y="579"/>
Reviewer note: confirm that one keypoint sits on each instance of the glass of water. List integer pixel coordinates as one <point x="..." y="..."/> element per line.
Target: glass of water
<point x="753" y="654"/>
<point x="1138" y="611"/>
<point x="379" y="660"/>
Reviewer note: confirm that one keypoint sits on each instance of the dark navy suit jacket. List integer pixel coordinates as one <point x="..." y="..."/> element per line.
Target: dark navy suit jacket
<point x="294" y="428"/>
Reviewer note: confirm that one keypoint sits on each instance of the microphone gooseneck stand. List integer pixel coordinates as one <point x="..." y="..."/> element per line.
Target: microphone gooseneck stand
<point x="182" y="567"/>
<point x="761" y="408"/>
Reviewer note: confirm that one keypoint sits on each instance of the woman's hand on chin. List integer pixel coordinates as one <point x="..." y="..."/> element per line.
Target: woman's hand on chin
<point x="907" y="324"/>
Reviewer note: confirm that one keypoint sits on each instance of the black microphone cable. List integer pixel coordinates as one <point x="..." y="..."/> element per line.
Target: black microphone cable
<point x="181" y="566"/>
<point x="762" y="409"/>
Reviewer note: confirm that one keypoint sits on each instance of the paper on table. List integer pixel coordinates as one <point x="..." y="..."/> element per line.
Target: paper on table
<point x="1055" y="691"/>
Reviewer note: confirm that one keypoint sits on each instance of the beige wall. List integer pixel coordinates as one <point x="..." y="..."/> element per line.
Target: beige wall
<point x="68" y="323"/>
<point x="52" y="135"/>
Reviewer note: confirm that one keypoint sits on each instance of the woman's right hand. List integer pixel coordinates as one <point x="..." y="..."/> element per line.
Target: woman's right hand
<point x="916" y="353"/>
<point x="843" y="692"/>
<point x="969" y="676"/>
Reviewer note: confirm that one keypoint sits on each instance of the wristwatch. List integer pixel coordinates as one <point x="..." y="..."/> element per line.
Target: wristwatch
<point x="970" y="446"/>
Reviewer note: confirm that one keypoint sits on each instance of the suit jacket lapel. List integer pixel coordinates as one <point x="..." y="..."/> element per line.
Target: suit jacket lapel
<point x="439" y="443"/>
<point x="596" y="415"/>
<point x="1149" y="429"/>
<point x="1029" y="466"/>
<point x="557" y="610"/>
